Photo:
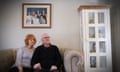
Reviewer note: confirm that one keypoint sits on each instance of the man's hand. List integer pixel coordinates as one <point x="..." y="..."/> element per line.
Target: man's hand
<point x="53" y="67"/>
<point x="37" y="66"/>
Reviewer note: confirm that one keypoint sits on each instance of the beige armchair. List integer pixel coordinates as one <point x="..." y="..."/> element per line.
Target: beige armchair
<point x="73" y="61"/>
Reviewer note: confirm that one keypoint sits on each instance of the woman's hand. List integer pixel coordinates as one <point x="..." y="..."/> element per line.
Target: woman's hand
<point x="20" y="68"/>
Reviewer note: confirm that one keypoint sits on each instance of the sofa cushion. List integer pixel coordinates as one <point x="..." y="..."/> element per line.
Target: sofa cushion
<point x="7" y="59"/>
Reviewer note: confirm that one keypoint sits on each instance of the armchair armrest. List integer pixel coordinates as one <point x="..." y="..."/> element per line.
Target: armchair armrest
<point x="73" y="61"/>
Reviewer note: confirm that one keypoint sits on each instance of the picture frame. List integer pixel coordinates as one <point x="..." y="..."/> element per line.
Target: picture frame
<point x="93" y="62"/>
<point x="101" y="18"/>
<point x="102" y="46"/>
<point x="36" y="15"/>
<point x="91" y="17"/>
<point x="101" y="32"/>
<point x="103" y="62"/>
<point x="92" y="46"/>
<point x="92" y="32"/>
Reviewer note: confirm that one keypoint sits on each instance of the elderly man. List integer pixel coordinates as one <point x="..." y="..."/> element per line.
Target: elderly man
<point x="46" y="57"/>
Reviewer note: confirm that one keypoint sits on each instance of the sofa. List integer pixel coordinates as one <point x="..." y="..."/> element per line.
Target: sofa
<point x="73" y="59"/>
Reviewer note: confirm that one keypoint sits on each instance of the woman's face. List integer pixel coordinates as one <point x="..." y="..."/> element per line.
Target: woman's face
<point x="31" y="42"/>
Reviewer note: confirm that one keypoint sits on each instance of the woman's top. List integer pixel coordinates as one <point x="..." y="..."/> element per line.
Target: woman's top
<point x="23" y="57"/>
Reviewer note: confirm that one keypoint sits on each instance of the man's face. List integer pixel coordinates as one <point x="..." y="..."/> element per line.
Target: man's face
<point x="46" y="40"/>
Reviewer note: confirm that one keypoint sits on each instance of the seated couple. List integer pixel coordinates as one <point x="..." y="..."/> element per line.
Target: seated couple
<point x="44" y="58"/>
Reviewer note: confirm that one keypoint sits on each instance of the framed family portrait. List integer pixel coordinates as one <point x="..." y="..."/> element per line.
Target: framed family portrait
<point x="36" y="15"/>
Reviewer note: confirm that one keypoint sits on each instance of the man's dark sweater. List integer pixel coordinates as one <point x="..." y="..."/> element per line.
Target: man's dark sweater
<point x="47" y="57"/>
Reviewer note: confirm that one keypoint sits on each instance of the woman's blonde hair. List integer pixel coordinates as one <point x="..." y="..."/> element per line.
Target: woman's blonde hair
<point x="29" y="37"/>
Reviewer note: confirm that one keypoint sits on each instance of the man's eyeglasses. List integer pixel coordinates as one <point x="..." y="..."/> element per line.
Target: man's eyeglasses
<point x="46" y="37"/>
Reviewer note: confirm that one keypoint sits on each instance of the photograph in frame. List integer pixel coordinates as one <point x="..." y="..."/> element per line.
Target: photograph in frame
<point x="103" y="62"/>
<point x="91" y="17"/>
<point x="91" y="32"/>
<point x="92" y="45"/>
<point x="100" y="17"/>
<point x="93" y="61"/>
<point x="36" y="15"/>
<point x="101" y="32"/>
<point x="102" y="46"/>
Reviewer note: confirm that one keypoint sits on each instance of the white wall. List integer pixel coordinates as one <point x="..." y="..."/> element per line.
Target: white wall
<point x="65" y="23"/>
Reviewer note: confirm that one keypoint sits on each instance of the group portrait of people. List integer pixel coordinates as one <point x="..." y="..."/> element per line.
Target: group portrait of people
<point x="36" y="16"/>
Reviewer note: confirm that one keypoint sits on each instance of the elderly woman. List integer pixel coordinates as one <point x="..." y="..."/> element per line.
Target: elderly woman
<point x="24" y="55"/>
